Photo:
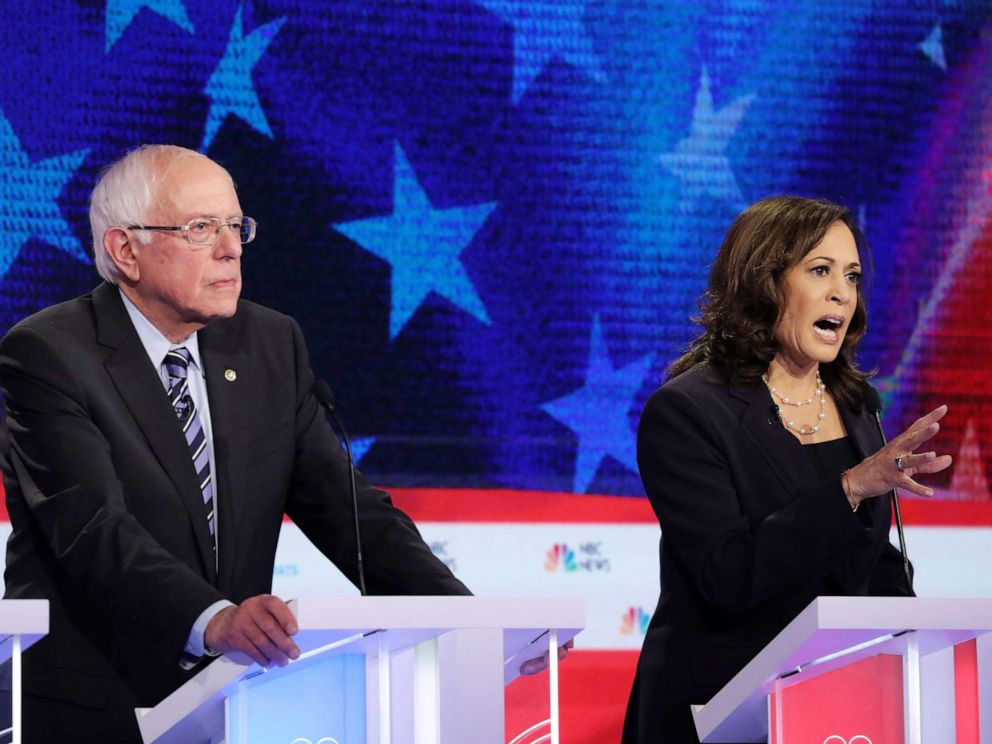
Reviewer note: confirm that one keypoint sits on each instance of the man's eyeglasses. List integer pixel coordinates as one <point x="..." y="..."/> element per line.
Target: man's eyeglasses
<point x="204" y="231"/>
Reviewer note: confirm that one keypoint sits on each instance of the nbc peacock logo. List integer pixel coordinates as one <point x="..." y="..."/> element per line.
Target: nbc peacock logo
<point x="635" y="620"/>
<point x="560" y="556"/>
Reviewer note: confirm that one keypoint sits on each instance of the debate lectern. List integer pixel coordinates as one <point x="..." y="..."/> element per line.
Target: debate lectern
<point x="864" y="670"/>
<point x="384" y="670"/>
<point x="22" y="622"/>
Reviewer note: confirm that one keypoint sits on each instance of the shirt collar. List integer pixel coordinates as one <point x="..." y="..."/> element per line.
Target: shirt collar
<point x="156" y="345"/>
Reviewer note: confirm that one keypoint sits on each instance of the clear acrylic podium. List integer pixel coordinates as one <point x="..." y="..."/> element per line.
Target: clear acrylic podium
<point x="22" y="622"/>
<point x="936" y="653"/>
<point x="386" y="670"/>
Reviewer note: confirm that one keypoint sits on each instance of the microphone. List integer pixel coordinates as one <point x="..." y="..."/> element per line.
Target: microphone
<point x="322" y="391"/>
<point x="874" y="404"/>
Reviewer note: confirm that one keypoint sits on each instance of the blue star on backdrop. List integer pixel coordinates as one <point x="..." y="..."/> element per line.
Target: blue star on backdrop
<point x="230" y="87"/>
<point x="422" y="245"/>
<point x="29" y="195"/>
<point x="700" y="160"/>
<point x="120" y="13"/>
<point x="933" y="47"/>
<point x="543" y="31"/>
<point x="598" y="411"/>
<point x="360" y="446"/>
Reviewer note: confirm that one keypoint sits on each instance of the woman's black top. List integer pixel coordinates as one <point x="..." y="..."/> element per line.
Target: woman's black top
<point x="833" y="457"/>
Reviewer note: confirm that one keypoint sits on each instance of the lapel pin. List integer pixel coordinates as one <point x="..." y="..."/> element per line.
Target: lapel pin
<point x="230" y="375"/>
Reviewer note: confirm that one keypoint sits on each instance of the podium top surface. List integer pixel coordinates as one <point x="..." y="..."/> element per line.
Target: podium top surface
<point x="833" y="631"/>
<point x="27" y="618"/>
<point x="881" y="613"/>
<point x="24" y="616"/>
<point x="411" y="613"/>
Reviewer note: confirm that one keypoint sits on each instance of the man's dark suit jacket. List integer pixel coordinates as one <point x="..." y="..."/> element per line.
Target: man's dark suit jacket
<point x="114" y="535"/>
<point x="751" y="534"/>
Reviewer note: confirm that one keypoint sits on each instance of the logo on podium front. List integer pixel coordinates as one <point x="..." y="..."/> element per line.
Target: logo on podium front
<point x="304" y="740"/>
<point x="856" y="739"/>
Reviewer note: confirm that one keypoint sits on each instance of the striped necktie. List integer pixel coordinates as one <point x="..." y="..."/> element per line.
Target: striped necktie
<point x="176" y="365"/>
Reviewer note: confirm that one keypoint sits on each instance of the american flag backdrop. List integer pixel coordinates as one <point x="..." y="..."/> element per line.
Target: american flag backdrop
<point x="493" y="218"/>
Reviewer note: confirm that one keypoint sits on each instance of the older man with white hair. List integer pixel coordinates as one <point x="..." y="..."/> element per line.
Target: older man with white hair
<point x="159" y="428"/>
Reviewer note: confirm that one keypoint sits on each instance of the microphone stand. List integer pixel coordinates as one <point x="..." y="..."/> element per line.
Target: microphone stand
<point x="895" y="510"/>
<point x="325" y="397"/>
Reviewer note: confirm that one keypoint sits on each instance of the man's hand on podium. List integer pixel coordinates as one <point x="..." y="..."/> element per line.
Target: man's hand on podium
<point x="259" y="628"/>
<point x="533" y="666"/>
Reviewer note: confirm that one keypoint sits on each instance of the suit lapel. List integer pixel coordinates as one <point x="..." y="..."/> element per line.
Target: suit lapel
<point x="140" y="387"/>
<point x="781" y="451"/>
<point x="862" y="429"/>
<point x="230" y="404"/>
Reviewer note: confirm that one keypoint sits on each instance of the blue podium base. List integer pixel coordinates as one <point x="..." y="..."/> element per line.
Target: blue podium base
<point x="322" y="702"/>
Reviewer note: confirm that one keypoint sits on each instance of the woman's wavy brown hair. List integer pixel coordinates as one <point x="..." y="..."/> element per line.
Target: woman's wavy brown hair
<point x="746" y="294"/>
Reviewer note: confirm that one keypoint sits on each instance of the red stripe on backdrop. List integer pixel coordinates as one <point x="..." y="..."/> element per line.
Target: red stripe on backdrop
<point x="480" y="505"/>
<point x="939" y="513"/>
<point x="499" y="505"/>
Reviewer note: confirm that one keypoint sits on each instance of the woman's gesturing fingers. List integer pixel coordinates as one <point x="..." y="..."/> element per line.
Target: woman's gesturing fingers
<point x="920" y="431"/>
<point x="909" y="463"/>
<point x="905" y="478"/>
<point x="896" y="464"/>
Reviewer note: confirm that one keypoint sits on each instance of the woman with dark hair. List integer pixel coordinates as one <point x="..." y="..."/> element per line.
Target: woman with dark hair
<point x="763" y="462"/>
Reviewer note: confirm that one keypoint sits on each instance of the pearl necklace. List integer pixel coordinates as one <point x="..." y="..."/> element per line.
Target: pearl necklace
<point x="819" y="393"/>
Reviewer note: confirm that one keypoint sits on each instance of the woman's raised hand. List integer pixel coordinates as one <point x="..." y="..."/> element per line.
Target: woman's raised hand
<point x="896" y="463"/>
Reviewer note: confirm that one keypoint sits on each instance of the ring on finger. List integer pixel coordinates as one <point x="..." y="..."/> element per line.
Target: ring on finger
<point x="901" y="463"/>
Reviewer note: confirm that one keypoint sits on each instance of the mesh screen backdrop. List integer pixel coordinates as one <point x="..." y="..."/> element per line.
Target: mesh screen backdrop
<point x="493" y="219"/>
